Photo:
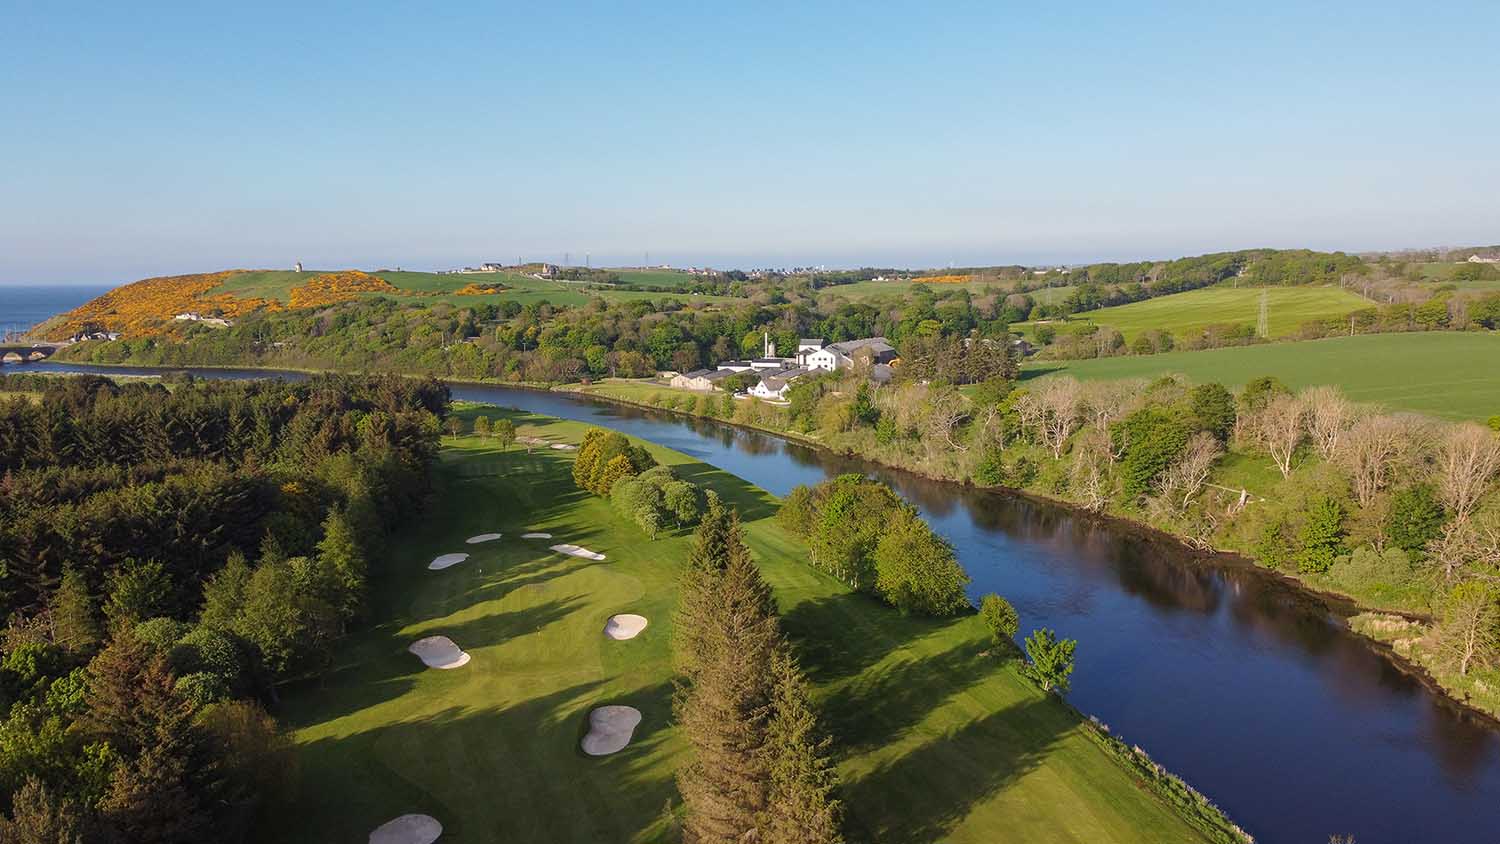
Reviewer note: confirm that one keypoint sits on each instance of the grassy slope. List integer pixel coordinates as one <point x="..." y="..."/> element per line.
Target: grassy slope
<point x="1186" y="314"/>
<point x="938" y="741"/>
<point x="1448" y="374"/>
<point x="861" y="291"/>
<point x="277" y="284"/>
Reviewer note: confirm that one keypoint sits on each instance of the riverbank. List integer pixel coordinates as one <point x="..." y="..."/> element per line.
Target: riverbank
<point x="1459" y="692"/>
<point x="1474" y="698"/>
<point x="937" y="738"/>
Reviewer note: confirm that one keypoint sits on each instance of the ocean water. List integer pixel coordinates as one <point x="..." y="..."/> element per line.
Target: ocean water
<point x="25" y="305"/>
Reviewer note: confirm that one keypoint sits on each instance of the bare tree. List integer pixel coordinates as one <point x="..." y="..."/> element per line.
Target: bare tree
<point x="1280" y="428"/>
<point x="944" y="411"/>
<point x="1090" y="478"/>
<point x="1061" y="412"/>
<point x="1466" y="635"/>
<point x="1110" y="400"/>
<point x="1184" y="479"/>
<point x="1465" y="543"/>
<point x="1375" y="449"/>
<point x="1468" y="459"/>
<point x="1329" y="416"/>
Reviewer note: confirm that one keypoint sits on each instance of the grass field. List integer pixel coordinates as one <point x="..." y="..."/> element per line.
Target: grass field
<point x="936" y="739"/>
<point x="1186" y="314"/>
<point x="861" y="291"/>
<point x="1455" y="375"/>
<point x="277" y="284"/>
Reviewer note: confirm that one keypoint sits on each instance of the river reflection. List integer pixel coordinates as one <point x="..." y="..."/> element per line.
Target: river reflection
<point x="1253" y="691"/>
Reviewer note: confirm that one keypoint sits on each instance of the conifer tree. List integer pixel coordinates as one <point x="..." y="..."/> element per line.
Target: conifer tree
<point x="725" y="709"/>
<point x="71" y="609"/>
<point x="39" y="817"/>
<point x="801" y="807"/>
<point x="224" y="593"/>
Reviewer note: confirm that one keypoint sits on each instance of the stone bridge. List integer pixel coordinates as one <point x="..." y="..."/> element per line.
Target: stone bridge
<point x="27" y="352"/>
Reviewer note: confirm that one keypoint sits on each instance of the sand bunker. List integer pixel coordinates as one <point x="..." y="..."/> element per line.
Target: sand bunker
<point x="408" y="829"/>
<point x="625" y="626"/>
<point x="536" y="536"/>
<point x="446" y="560"/>
<point x="483" y="537"/>
<point x="564" y="446"/>
<point x="439" y="652"/>
<point x="610" y="729"/>
<point x="577" y="551"/>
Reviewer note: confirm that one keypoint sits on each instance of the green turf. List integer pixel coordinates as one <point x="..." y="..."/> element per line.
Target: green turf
<point x="1451" y="374"/>
<point x="936" y="739"/>
<point x="277" y="284"/>
<point x="1186" y="314"/>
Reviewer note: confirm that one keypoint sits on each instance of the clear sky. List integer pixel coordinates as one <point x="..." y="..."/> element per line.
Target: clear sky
<point x="143" y="139"/>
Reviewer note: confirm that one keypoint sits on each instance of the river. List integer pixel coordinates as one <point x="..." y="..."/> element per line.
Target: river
<point x="1250" y="689"/>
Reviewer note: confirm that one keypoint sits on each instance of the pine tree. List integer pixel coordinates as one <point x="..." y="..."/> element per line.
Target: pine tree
<point x="725" y="709"/>
<point x="697" y="600"/>
<point x="339" y="553"/>
<point x="71" y="610"/>
<point x="39" y="817"/>
<point x="801" y="808"/>
<point x="151" y="798"/>
<point x="224" y="593"/>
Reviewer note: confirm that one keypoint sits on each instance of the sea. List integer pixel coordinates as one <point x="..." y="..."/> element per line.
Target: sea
<point x="24" y="305"/>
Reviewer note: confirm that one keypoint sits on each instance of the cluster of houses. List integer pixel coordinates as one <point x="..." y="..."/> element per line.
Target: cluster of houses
<point x="775" y="375"/>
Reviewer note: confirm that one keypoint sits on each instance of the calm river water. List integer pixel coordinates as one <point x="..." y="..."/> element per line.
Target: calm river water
<point x="1251" y="690"/>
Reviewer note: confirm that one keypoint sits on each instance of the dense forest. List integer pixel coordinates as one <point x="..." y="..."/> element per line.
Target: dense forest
<point x="169" y="555"/>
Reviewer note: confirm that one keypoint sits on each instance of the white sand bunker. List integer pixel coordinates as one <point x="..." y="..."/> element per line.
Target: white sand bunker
<point x="577" y="551"/>
<point x="483" y="537"/>
<point x="408" y="829"/>
<point x="564" y="446"/>
<point x="610" y="729"/>
<point x="439" y="652"/>
<point x="625" y="626"/>
<point x="536" y="536"/>
<point x="446" y="560"/>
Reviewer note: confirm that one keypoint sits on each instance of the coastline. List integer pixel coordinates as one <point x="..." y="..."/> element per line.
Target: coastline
<point x="1340" y="604"/>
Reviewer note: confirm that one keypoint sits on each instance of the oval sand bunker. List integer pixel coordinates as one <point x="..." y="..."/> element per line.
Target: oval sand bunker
<point x="446" y="560"/>
<point x="483" y="537"/>
<point x="408" y="829"/>
<point x="439" y="652"/>
<point x="577" y="551"/>
<point x="610" y="729"/>
<point x="625" y="626"/>
<point x="536" y="536"/>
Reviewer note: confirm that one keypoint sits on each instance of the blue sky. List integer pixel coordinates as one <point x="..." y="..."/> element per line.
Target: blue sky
<point x="153" y="138"/>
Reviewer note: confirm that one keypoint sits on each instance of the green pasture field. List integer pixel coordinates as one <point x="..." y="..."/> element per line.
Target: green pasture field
<point x="937" y="737"/>
<point x="862" y="291"/>
<point x="1450" y="374"/>
<point x="1187" y="314"/>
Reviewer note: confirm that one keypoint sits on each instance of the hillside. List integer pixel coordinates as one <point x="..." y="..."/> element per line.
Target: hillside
<point x="1454" y="375"/>
<point x="1187" y="314"/>
<point x="148" y="306"/>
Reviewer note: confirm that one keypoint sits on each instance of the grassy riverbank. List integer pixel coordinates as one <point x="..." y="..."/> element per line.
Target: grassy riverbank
<point x="937" y="739"/>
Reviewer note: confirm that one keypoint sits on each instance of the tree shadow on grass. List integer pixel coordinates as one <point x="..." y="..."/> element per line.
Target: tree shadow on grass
<point x="509" y="773"/>
<point x="885" y="701"/>
<point x="841" y="635"/>
<point x="941" y="782"/>
<point x="752" y="502"/>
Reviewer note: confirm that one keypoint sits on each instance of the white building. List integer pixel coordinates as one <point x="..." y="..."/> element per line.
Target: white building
<point x="703" y="380"/>
<point x="774" y="384"/>
<point x="844" y="355"/>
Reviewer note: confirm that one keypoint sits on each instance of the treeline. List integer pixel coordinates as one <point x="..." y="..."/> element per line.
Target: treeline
<point x="760" y="767"/>
<point x="169" y="557"/>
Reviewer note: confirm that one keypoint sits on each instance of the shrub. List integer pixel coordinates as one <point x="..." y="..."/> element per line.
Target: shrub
<point x="1414" y="519"/>
<point x="1000" y="617"/>
<point x="1322" y="536"/>
<point x="991" y="469"/>
<point x="161" y="633"/>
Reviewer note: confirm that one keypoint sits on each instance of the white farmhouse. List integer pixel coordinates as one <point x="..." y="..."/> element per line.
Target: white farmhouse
<point x="774" y="384"/>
